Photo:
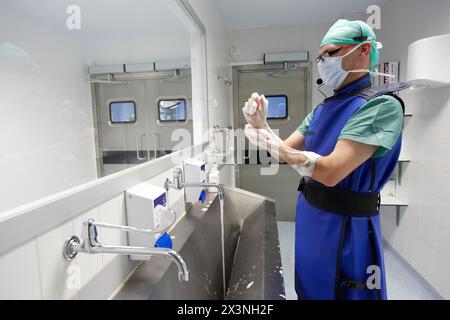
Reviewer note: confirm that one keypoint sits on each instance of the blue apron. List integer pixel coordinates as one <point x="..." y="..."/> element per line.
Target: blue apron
<point x="335" y="254"/>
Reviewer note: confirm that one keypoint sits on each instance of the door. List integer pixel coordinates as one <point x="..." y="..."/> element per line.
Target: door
<point x="286" y="89"/>
<point x="133" y="126"/>
<point x="122" y="136"/>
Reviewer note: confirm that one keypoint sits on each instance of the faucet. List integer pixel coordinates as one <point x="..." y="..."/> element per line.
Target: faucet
<point x="89" y="244"/>
<point x="178" y="183"/>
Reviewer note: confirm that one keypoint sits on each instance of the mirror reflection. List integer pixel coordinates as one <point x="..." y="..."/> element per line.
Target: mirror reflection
<point x="100" y="84"/>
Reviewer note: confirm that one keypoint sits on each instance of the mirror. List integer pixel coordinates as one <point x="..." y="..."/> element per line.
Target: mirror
<point x="90" y="88"/>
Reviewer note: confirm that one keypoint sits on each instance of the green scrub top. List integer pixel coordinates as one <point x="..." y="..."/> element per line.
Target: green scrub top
<point x="379" y="122"/>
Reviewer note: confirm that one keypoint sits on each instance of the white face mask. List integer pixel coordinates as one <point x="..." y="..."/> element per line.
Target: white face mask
<point x="332" y="73"/>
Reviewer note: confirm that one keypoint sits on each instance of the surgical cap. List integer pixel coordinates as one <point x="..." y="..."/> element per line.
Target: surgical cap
<point x="353" y="32"/>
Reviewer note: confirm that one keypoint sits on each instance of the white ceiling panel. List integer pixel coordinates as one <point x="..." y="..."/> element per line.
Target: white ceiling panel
<point x="243" y="14"/>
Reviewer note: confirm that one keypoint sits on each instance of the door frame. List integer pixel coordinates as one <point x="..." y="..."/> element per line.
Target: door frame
<point x="266" y="67"/>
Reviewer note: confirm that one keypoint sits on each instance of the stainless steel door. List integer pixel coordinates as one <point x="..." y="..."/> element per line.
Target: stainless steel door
<point x="122" y="145"/>
<point x="291" y="82"/>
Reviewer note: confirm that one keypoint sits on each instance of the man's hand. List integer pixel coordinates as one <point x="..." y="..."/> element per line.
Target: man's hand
<point x="302" y="161"/>
<point x="255" y="111"/>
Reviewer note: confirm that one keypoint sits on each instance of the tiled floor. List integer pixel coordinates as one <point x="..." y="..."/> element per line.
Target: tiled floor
<point x="403" y="282"/>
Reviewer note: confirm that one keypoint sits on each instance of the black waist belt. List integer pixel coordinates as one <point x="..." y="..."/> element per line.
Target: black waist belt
<point x="343" y="202"/>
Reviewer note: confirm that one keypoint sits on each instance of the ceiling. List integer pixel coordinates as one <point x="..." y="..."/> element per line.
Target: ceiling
<point x="243" y="14"/>
<point x="112" y="31"/>
<point x="105" y="17"/>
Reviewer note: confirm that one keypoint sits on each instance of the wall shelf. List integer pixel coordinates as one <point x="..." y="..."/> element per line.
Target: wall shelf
<point x="392" y="202"/>
<point x="401" y="161"/>
<point x="389" y="201"/>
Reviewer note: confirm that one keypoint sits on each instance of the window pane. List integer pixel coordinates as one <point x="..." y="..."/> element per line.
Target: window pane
<point x="122" y="112"/>
<point x="277" y="107"/>
<point x="172" y="110"/>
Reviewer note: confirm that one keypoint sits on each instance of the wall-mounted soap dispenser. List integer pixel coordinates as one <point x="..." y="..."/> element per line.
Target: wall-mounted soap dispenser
<point x="145" y="204"/>
<point x="194" y="172"/>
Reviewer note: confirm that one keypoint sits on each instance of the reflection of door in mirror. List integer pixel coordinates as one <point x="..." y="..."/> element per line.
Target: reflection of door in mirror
<point x="136" y="118"/>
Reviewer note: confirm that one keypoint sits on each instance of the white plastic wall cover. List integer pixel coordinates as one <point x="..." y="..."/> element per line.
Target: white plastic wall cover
<point x="428" y="62"/>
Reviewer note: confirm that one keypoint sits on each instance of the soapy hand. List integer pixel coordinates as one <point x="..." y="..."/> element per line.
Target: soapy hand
<point x="303" y="162"/>
<point x="268" y="140"/>
<point x="263" y="139"/>
<point x="255" y="111"/>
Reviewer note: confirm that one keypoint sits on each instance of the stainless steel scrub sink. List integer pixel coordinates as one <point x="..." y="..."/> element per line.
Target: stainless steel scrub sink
<point x="252" y="254"/>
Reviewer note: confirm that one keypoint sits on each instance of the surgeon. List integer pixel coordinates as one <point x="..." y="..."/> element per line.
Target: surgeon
<point x="345" y="151"/>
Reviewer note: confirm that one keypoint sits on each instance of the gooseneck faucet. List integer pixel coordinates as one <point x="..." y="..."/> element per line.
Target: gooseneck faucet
<point x="178" y="183"/>
<point x="90" y="244"/>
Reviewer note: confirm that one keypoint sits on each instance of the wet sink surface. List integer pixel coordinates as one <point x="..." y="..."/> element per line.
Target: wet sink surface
<point x="252" y="254"/>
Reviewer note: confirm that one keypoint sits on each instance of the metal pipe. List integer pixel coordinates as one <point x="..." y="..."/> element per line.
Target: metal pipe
<point x="220" y="189"/>
<point x="138" y="230"/>
<point x="179" y="183"/>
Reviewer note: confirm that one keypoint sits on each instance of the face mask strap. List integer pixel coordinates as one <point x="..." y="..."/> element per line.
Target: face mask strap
<point x="373" y="72"/>
<point x="351" y="51"/>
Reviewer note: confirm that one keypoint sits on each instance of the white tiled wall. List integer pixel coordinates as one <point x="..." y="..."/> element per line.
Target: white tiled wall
<point x="19" y="275"/>
<point x="38" y="270"/>
<point x="54" y="270"/>
<point x="423" y="237"/>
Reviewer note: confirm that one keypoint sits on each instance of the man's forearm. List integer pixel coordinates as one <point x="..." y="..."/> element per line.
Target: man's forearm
<point x="326" y="172"/>
<point x="346" y="157"/>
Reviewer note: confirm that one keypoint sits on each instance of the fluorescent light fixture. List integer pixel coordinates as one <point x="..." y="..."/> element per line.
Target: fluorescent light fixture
<point x="302" y="56"/>
<point x="172" y="65"/>
<point x="139" y="67"/>
<point x="114" y="68"/>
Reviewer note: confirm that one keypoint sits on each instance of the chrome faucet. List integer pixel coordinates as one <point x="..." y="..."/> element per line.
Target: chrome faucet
<point x="178" y="183"/>
<point x="89" y="244"/>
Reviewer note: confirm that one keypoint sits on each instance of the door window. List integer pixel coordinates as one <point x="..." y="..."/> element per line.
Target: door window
<point x="122" y="112"/>
<point x="171" y="110"/>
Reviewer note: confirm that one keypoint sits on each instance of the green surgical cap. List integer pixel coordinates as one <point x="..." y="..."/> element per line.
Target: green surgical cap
<point x="353" y="32"/>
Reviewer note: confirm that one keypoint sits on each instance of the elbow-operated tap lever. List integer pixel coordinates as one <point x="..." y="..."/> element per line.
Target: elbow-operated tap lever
<point x="90" y="244"/>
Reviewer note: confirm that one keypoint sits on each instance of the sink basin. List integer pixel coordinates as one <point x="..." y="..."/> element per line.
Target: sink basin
<point x="253" y="267"/>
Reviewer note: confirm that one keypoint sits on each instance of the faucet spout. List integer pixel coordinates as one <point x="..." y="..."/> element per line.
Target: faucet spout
<point x="183" y="272"/>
